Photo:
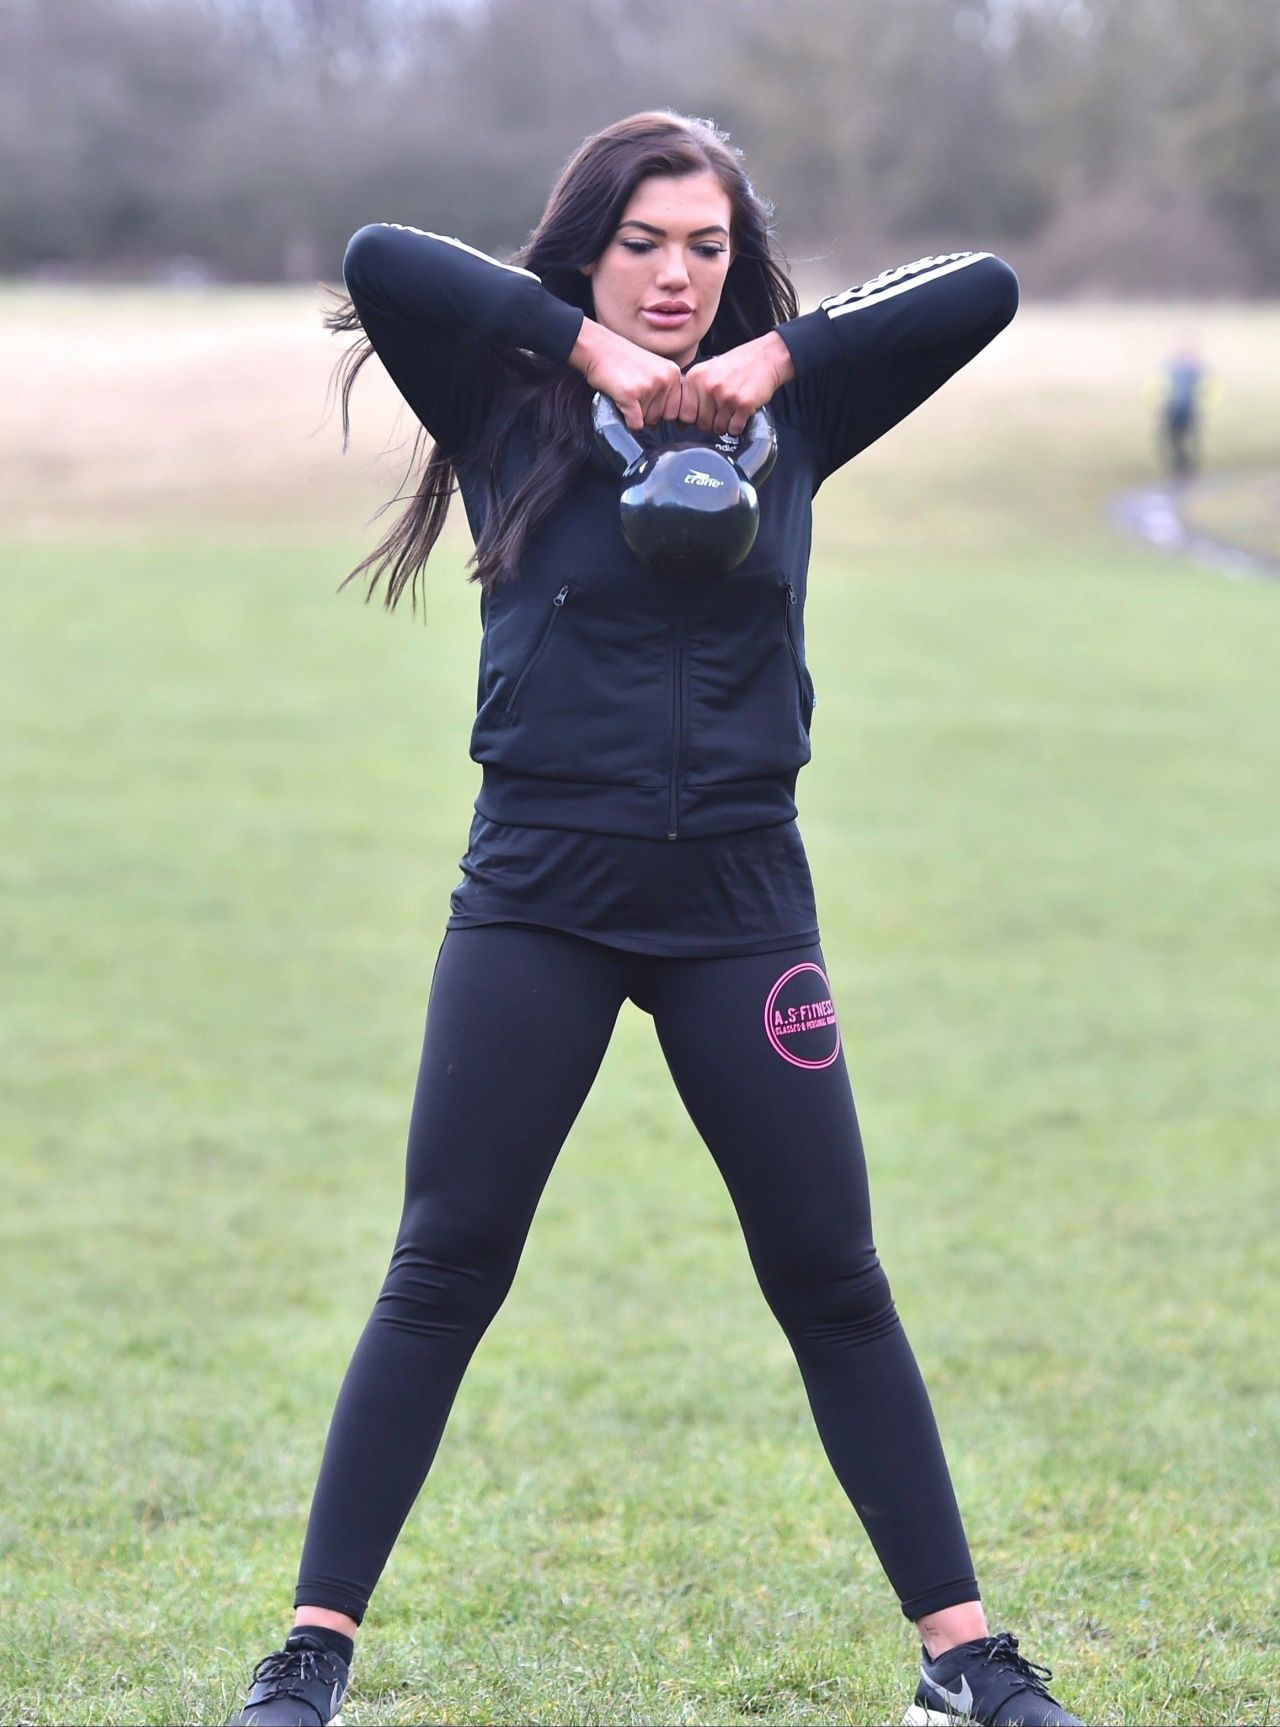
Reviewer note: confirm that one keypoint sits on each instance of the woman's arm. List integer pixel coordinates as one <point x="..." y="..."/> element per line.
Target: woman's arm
<point x="866" y="358"/>
<point x="434" y="308"/>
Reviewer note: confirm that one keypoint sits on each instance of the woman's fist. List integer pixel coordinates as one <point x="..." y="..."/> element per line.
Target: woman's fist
<point x="721" y="395"/>
<point x="645" y="387"/>
<point x="717" y="395"/>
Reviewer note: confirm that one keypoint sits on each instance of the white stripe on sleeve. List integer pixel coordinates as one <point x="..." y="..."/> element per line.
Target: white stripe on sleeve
<point x="897" y="281"/>
<point x="448" y="240"/>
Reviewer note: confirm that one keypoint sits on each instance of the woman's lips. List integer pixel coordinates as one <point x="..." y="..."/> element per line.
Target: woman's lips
<point x="662" y="319"/>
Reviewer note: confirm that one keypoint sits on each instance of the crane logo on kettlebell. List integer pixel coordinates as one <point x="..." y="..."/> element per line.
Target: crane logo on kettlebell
<point x="688" y="511"/>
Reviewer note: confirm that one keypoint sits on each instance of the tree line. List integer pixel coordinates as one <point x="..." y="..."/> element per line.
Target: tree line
<point x="1125" y="146"/>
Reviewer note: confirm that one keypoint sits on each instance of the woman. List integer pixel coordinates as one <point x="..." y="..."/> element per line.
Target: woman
<point x="635" y="834"/>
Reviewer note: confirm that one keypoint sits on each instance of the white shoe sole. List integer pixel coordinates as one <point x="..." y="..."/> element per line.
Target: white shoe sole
<point x="919" y="1716"/>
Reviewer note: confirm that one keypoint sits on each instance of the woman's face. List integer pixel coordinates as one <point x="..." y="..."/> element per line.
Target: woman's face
<point x="658" y="281"/>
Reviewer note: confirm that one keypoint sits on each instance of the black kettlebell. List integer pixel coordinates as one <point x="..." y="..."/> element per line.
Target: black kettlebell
<point x="689" y="511"/>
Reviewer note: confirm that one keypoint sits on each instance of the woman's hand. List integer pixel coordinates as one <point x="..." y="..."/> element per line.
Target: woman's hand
<point x="722" y="394"/>
<point x="645" y="387"/>
<point x="718" y="395"/>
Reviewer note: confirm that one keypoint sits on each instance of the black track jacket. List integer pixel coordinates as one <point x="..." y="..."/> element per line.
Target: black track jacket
<point x="609" y="700"/>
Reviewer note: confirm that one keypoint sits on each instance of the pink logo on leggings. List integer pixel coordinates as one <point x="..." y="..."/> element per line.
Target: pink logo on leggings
<point x="800" y="1017"/>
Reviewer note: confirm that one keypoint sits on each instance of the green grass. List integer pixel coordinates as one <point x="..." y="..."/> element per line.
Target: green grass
<point x="1041" y="818"/>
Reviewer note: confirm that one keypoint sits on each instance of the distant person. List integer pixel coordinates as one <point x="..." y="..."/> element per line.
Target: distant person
<point x="635" y="837"/>
<point x="1180" y="413"/>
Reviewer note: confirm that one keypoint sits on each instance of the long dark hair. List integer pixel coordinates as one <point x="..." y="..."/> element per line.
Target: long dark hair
<point x="581" y="217"/>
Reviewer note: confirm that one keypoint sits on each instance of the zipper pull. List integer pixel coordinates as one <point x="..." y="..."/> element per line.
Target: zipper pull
<point x="561" y="596"/>
<point x="791" y="594"/>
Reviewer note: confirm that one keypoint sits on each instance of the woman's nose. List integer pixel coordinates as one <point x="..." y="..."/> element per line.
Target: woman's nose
<point x="673" y="272"/>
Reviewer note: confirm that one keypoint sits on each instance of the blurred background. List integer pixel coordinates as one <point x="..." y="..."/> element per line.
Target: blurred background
<point x="1041" y="816"/>
<point x="1110" y="145"/>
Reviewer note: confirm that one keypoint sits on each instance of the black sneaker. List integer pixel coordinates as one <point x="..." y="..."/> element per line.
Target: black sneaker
<point x="298" y="1686"/>
<point x="986" y="1681"/>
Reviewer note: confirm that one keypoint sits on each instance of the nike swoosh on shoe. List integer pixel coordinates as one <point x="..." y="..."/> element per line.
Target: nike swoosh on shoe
<point x="961" y="1701"/>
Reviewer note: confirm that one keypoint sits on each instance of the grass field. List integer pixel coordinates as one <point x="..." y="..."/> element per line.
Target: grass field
<point x="1042" y="823"/>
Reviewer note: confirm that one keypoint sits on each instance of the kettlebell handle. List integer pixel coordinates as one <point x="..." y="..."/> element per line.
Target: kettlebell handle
<point x="615" y="440"/>
<point x="754" y="458"/>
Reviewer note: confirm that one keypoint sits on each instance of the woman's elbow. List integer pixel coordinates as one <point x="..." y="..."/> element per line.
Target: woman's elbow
<point x="368" y="249"/>
<point x="1005" y="291"/>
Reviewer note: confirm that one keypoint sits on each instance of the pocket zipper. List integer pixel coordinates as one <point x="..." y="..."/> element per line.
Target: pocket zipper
<point x="537" y="648"/>
<point x="807" y="690"/>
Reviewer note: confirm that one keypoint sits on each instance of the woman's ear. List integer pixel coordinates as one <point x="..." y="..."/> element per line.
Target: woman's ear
<point x="588" y="270"/>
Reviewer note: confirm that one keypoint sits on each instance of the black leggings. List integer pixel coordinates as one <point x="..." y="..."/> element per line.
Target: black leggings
<point x="517" y="1025"/>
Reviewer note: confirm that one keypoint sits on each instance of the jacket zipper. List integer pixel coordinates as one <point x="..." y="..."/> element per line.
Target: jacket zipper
<point x="677" y="717"/>
<point x="538" y="646"/>
<point x="810" y="699"/>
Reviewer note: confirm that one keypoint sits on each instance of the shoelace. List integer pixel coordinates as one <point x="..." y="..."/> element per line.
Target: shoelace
<point x="1004" y="1653"/>
<point x="285" y="1664"/>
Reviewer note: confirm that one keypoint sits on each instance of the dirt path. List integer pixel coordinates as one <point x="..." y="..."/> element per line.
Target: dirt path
<point x="1155" y="514"/>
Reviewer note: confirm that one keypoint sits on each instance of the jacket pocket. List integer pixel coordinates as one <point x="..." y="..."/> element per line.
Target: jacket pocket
<point x="808" y="695"/>
<point x="748" y="707"/>
<point x="535" y="652"/>
<point x="585" y="694"/>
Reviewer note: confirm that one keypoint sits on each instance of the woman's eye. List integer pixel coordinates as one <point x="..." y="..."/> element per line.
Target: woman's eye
<point x="639" y="246"/>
